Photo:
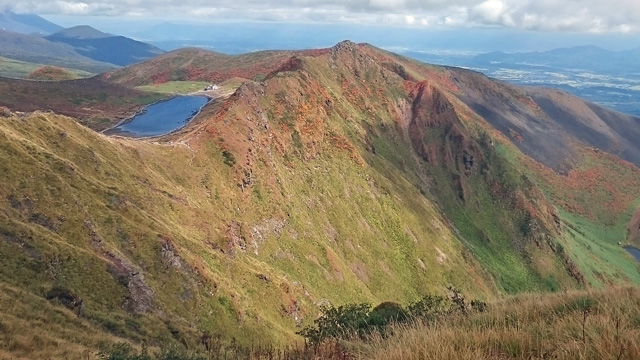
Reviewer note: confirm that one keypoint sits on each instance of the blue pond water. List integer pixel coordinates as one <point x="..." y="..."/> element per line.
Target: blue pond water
<point x="162" y="118"/>
<point x="633" y="251"/>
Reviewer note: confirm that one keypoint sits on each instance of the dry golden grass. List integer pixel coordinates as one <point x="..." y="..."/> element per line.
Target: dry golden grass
<point x="33" y="328"/>
<point x="529" y="326"/>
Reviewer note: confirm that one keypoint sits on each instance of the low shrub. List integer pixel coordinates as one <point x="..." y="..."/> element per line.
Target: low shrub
<point x="360" y="320"/>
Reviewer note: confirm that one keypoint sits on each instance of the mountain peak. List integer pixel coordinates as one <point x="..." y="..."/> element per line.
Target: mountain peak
<point x="26" y="23"/>
<point x="81" y="32"/>
<point x="346" y="45"/>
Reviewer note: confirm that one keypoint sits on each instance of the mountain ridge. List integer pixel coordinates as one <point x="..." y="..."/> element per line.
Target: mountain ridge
<point x="81" y="47"/>
<point x="26" y="23"/>
<point x="79" y="32"/>
<point x="596" y="126"/>
<point x="99" y="46"/>
<point x="195" y="64"/>
<point x="579" y="57"/>
<point x="30" y="48"/>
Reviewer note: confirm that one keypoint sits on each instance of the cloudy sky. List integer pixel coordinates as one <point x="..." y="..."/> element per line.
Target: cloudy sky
<point x="592" y="16"/>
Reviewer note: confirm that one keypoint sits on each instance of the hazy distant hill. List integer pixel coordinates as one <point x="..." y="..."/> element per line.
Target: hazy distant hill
<point x="26" y="24"/>
<point x="100" y="46"/>
<point x="608" y="78"/>
<point x="581" y="57"/>
<point x="39" y="50"/>
<point x="548" y="141"/>
<point x="79" y="32"/>
<point x="81" y="47"/>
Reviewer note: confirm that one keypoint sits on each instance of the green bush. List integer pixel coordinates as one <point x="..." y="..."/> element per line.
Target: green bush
<point x="229" y="159"/>
<point x="339" y="322"/>
<point x="430" y="307"/>
<point x="479" y="306"/>
<point x="387" y="313"/>
<point x="359" y="320"/>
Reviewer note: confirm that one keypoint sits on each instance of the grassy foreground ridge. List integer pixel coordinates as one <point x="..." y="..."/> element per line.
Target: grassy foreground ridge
<point x="587" y="324"/>
<point x="602" y="324"/>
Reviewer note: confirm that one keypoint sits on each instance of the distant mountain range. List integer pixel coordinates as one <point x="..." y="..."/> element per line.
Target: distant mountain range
<point x="36" y="49"/>
<point x="81" y="32"/>
<point x="27" y="24"/>
<point x="609" y="78"/>
<point x="99" y="46"/>
<point x="581" y="57"/>
<point x="31" y="38"/>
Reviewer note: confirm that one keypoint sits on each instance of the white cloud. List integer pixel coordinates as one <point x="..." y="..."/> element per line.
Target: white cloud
<point x="73" y="8"/>
<point x="490" y="11"/>
<point x="624" y="28"/>
<point x="548" y="15"/>
<point x="386" y="4"/>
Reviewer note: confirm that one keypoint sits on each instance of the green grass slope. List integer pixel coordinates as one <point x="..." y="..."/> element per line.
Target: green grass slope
<point x="567" y="196"/>
<point x="162" y="243"/>
<point x="11" y="68"/>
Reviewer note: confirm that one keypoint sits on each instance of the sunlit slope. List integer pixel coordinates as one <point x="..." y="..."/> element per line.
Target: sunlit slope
<point x="163" y="242"/>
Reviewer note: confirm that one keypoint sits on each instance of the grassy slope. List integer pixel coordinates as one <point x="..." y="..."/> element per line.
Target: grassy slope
<point x="595" y="202"/>
<point x="175" y="87"/>
<point x="524" y="327"/>
<point x="33" y="328"/>
<point x="73" y="210"/>
<point x="75" y="217"/>
<point x="187" y="87"/>
<point x="490" y="204"/>
<point x="593" y="205"/>
<point x="19" y="69"/>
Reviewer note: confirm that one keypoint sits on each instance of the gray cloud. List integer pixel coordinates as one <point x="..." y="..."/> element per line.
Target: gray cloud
<point x="546" y="15"/>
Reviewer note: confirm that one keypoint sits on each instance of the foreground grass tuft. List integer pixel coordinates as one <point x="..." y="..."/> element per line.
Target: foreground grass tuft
<point x="573" y="325"/>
